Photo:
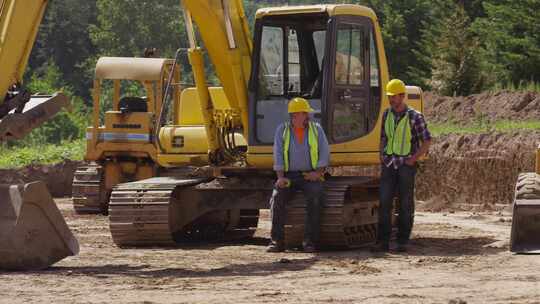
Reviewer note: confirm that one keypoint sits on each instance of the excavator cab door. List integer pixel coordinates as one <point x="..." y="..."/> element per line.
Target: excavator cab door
<point x="352" y="96"/>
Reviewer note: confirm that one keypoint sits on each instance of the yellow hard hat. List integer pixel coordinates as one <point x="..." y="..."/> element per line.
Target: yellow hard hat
<point x="299" y="104"/>
<point x="395" y="87"/>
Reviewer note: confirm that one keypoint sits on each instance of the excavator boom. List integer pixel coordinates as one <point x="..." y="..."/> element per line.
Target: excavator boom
<point x="33" y="233"/>
<point x="223" y="27"/>
<point x="20" y="112"/>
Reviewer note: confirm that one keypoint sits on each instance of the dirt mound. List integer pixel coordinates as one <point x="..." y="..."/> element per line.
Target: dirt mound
<point x="58" y="177"/>
<point x="475" y="171"/>
<point x="488" y="106"/>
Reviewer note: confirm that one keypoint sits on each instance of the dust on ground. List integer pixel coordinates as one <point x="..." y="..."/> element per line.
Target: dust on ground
<point x="457" y="257"/>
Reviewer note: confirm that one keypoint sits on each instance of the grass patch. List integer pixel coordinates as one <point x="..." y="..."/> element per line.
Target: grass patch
<point x="15" y="157"/>
<point x="522" y="86"/>
<point x="483" y="127"/>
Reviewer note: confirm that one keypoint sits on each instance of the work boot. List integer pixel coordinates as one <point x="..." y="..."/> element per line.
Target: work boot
<point x="381" y="247"/>
<point x="402" y="248"/>
<point x="308" y="247"/>
<point x="277" y="246"/>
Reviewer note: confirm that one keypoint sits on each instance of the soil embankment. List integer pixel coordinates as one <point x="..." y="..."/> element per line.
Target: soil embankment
<point x="477" y="171"/>
<point x="515" y="106"/>
<point x="58" y="177"/>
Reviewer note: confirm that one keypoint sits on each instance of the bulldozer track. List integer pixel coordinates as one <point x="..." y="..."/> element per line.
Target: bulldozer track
<point x="348" y="216"/>
<point x="139" y="213"/>
<point x="88" y="190"/>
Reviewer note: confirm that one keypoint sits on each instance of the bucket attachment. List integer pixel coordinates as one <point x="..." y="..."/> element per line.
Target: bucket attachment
<point x="525" y="236"/>
<point x="33" y="233"/>
<point x="36" y="111"/>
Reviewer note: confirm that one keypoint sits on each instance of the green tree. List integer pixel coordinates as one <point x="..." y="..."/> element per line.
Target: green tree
<point x="65" y="125"/>
<point x="511" y="33"/>
<point x="402" y="25"/>
<point x="457" y="65"/>
<point x="63" y="38"/>
<point x="127" y="27"/>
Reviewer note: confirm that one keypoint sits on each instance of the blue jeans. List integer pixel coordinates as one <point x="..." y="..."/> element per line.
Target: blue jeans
<point x="313" y="192"/>
<point x="401" y="182"/>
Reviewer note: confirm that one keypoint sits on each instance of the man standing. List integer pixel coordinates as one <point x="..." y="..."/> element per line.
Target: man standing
<point x="404" y="139"/>
<point x="301" y="155"/>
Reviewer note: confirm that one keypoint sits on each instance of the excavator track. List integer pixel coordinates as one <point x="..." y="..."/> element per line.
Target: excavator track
<point x="165" y="211"/>
<point x="348" y="217"/>
<point x="88" y="192"/>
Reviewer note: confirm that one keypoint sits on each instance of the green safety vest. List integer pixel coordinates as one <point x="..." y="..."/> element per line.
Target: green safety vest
<point x="399" y="137"/>
<point x="313" y="143"/>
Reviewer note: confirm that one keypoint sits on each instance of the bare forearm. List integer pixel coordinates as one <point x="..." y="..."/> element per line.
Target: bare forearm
<point x="280" y="174"/>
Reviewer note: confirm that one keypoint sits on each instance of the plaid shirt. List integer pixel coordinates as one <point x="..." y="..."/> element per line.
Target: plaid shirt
<point x="419" y="132"/>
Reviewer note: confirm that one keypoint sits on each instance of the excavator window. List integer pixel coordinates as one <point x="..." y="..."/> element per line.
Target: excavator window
<point x="350" y="105"/>
<point x="290" y="59"/>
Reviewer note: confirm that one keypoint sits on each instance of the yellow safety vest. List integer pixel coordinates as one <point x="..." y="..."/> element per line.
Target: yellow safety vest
<point x="399" y="137"/>
<point x="313" y="143"/>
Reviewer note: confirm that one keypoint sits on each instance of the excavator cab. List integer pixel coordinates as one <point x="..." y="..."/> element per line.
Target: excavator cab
<point x="295" y="58"/>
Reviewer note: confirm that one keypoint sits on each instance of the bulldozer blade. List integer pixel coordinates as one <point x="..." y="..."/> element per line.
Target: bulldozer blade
<point x="525" y="236"/>
<point x="33" y="233"/>
<point x="37" y="110"/>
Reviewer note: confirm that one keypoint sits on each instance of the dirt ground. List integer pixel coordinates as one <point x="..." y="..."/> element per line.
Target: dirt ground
<point x="457" y="257"/>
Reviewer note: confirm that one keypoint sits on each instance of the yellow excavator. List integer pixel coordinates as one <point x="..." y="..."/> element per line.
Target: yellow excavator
<point x="33" y="233"/>
<point x="525" y="235"/>
<point x="215" y="143"/>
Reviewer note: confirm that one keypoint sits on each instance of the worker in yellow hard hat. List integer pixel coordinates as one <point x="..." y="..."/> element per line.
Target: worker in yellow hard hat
<point x="301" y="155"/>
<point x="404" y="139"/>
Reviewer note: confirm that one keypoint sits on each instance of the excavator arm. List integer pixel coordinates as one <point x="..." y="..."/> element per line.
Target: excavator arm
<point x="33" y="233"/>
<point x="19" y="111"/>
<point x="223" y="27"/>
